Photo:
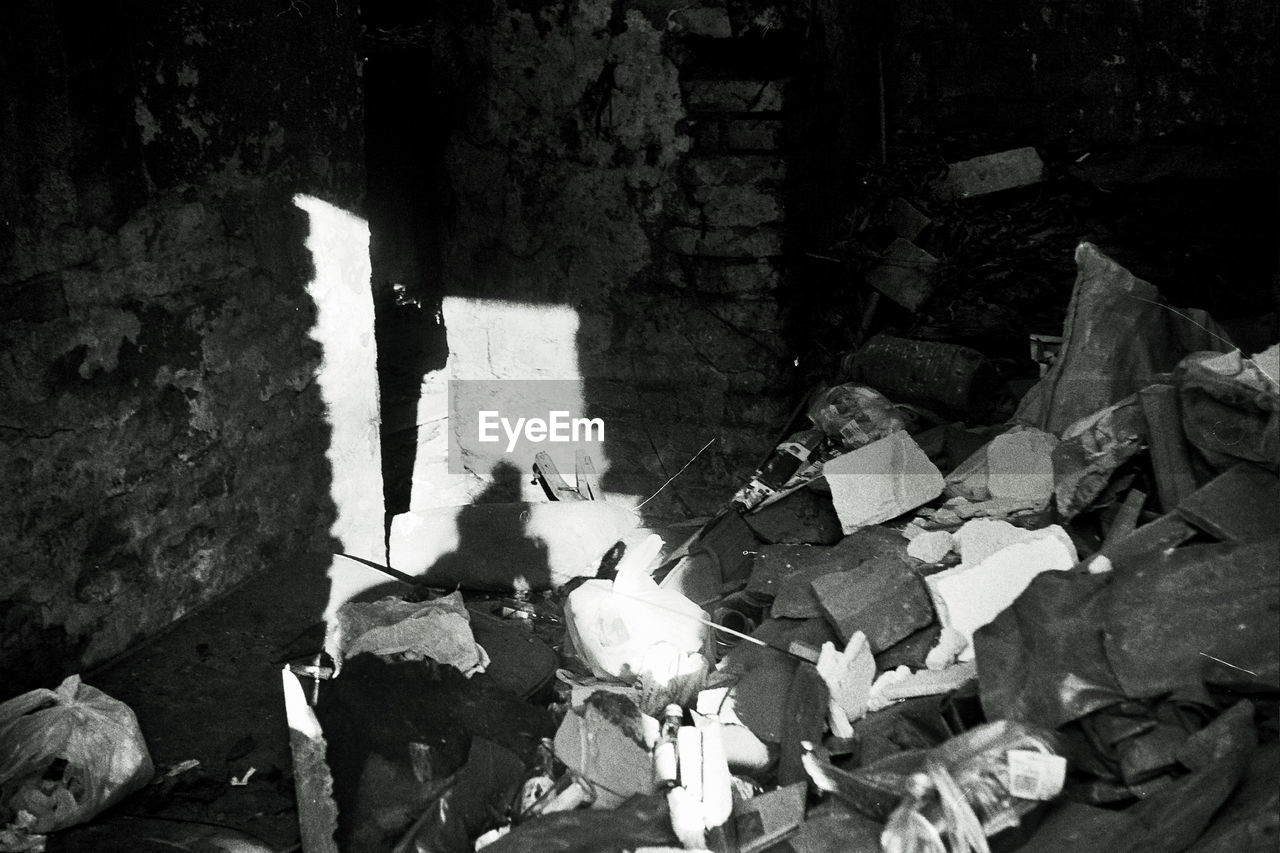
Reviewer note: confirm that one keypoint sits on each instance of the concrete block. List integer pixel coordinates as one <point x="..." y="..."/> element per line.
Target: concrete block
<point x="1020" y="466"/>
<point x="881" y="481"/>
<point x="905" y="220"/>
<point x="979" y="538"/>
<point x="883" y="598"/>
<point x="906" y="275"/>
<point x="969" y="597"/>
<point x="992" y="173"/>
<point x="733" y="96"/>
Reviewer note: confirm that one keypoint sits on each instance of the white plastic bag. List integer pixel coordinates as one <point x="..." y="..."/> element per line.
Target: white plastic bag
<point x="67" y="754"/>
<point x="632" y="629"/>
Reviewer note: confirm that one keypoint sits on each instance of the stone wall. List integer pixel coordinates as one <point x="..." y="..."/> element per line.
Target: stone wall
<point x="161" y="438"/>
<point x="626" y="160"/>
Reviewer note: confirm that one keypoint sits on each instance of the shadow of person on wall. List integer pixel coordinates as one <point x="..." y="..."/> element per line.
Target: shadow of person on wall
<point x="496" y="552"/>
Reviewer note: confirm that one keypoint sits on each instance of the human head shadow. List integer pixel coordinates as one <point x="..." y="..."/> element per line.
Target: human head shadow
<point x="496" y="551"/>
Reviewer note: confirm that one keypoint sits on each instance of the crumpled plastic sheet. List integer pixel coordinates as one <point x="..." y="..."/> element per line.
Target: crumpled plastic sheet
<point x="439" y="629"/>
<point x="1117" y="337"/>
<point x="1074" y="643"/>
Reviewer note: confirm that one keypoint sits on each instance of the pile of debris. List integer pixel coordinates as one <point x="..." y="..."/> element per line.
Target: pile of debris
<point x="901" y="634"/>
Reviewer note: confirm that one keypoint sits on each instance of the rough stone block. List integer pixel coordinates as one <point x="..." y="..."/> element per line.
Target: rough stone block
<point x="1020" y="465"/>
<point x="733" y="96"/>
<point x="881" y="481"/>
<point x="752" y="135"/>
<point x="991" y="173"/>
<point x="735" y="170"/>
<point x="906" y="275"/>
<point x="803" y="517"/>
<point x="764" y="242"/>
<point x="729" y="206"/>
<point x="775" y="562"/>
<point x="735" y="277"/>
<point x="883" y="598"/>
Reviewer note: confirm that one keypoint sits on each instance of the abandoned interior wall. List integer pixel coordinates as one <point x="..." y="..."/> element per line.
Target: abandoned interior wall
<point x="160" y="434"/>
<point x="619" y="161"/>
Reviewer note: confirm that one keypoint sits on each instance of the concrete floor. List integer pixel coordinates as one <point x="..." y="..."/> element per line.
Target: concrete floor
<point x="209" y="689"/>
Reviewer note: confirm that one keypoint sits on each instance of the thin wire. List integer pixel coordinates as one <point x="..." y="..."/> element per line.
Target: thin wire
<point x="676" y="474"/>
<point x="1195" y="322"/>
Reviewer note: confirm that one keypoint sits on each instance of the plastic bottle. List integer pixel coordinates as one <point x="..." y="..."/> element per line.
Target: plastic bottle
<point x="782" y="464"/>
<point x="666" y="761"/>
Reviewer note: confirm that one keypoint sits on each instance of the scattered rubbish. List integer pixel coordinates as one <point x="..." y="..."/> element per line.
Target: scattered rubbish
<point x="854" y="415"/>
<point x="905" y="220"/>
<point x="883" y="598"/>
<point x="1109" y="305"/>
<point x="938" y="376"/>
<point x="906" y="274"/>
<point x="1090" y="452"/>
<point x="1230" y="406"/>
<point x="631" y="626"/>
<point x="926" y="650"/>
<point x="439" y="630"/>
<point x="243" y="779"/>
<point x="772" y="477"/>
<point x="974" y="593"/>
<point x="901" y="683"/>
<point x="991" y="173"/>
<point x="881" y="481"/>
<point x="848" y="675"/>
<point x="930" y="546"/>
<point x="66" y="755"/>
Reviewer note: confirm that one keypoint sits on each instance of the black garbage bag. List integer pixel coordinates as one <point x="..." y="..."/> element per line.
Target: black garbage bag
<point x="1173" y="817"/>
<point x="1174" y="621"/>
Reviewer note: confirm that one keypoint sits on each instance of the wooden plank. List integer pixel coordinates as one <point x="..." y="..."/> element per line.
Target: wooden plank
<point x="588" y="479"/>
<point x="544" y="468"/>
<point x="1170" y="457"/>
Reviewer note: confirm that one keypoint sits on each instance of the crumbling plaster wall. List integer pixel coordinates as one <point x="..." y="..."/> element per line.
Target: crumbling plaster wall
<point x="606" y="168"/>
<point x="161" y="438"/>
